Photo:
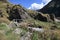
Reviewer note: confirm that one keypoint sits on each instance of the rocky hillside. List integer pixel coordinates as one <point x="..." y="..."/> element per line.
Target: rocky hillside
<point x="9" y="12"/>
<point x="19" y="23"/>
<point x="52" y="7"/>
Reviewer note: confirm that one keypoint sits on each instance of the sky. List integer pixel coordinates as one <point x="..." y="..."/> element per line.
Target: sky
<point x="31" y="4"/>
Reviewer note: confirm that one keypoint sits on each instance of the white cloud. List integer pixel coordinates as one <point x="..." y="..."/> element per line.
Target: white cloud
<point x="36" y="6"/>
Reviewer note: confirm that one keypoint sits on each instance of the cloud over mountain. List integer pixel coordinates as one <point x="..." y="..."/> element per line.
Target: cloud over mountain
<point x="36" y="6"/>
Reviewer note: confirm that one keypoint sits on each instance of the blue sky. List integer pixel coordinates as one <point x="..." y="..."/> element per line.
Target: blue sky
<point x="31" y="4"/>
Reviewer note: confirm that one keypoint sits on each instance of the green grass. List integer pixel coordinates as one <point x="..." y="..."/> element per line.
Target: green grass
<point x="8" y="35"/>
<point x="12" y="36"/>
<point x="35" y="36"/>
<point x="3" y="27"/>
<point x="37" y="23"/>
<point x="58" y="25"/>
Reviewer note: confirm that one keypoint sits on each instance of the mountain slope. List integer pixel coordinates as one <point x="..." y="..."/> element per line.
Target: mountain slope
<point x="52" y="7"/>
<point x="3" y="6"/>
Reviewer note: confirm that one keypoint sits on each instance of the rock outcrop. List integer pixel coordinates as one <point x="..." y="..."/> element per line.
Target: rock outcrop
<point x="17" y="12"/>
<point x="44" y="17"/>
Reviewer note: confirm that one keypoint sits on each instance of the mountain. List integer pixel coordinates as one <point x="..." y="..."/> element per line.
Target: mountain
<point x="52" y="7"/>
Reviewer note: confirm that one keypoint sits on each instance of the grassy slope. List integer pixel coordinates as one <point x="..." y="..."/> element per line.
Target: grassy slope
<point x="7" y="34"/>
<point x="5" y="14"/>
